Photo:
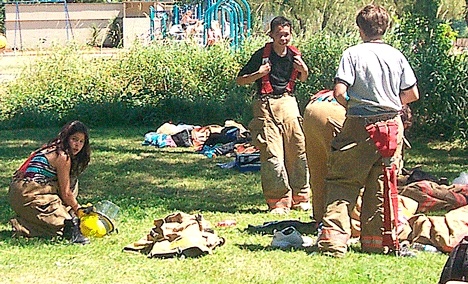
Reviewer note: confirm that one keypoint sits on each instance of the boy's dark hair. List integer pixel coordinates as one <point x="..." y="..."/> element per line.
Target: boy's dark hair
<point x="373" y="20"/>
<point x="279" y="21"/>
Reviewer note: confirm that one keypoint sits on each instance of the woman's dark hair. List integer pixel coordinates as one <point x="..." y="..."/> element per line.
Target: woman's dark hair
<point x="79" y="161"/>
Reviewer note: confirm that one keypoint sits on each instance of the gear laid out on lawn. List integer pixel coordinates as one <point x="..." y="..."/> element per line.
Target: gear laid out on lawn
<point x="290" y="238"/>
<point x="309" y="228"/>
<point x="178" y="235"/>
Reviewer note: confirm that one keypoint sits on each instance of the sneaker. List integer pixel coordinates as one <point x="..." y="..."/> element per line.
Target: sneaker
<point x="279" y="211"/>
<point x="290" y="237"/>
<point x="304" y="206"/>
<point x="405" y="250"/>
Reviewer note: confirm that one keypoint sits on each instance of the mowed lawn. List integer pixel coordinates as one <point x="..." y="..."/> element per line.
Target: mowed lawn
<point x="149" y="183"/>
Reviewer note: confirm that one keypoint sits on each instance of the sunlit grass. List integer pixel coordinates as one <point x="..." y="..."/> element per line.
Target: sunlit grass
<point x="149" y="183"/>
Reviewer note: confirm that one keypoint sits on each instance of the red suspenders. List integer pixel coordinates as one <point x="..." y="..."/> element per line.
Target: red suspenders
<point x="266" y="85"/>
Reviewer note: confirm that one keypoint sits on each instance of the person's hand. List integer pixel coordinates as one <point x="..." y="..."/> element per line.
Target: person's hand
<point x="264" y="69"/>
<point x="299" y="64"/>
<point x="84" y="210"/>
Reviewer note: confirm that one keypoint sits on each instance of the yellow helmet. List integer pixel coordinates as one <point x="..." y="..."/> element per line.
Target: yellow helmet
<point x="95" y="225"/>
<point x="3" y="41"/>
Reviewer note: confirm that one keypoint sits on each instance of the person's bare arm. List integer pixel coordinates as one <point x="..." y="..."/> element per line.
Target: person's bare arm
<point x="301" y="66"/>
<point x="63" y="164"/>
<point x="339" y="92"/>
<point x="409" y="95"/>
<point x="252" y="77"/>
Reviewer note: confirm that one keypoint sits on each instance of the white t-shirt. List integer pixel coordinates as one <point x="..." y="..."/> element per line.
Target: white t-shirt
<point x="376" y="73"/>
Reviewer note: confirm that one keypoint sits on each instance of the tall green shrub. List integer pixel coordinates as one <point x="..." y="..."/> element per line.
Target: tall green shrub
<point x="184" y="82"/>
<point x="442" y="77"/>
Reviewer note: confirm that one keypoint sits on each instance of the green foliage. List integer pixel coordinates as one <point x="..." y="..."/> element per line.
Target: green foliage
<point x="322" y="54"/>
<point x="460" y="26"/>
<point x="2" y="19"/>
<point x="165" y="81"/>
<point x="183" y="82"/>
<point x="442" y="77"/>
<point x="177" y="81"/>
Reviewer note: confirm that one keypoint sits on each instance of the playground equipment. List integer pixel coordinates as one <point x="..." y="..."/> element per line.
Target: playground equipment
<point x="230" y="14"/>
<point x="233" y="16"/>
<point x="163" y="17"/>
<point x="18" y="42"/>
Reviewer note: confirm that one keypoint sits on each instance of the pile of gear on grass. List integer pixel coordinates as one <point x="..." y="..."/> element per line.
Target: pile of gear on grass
<point x="231" y="140"/>
<point x="419" y="193"/>
<point x="178" y="235"/>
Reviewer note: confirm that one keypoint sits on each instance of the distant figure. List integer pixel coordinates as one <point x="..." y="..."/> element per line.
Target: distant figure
<point x="214" y="33"/>
<point x="187" y="19"/>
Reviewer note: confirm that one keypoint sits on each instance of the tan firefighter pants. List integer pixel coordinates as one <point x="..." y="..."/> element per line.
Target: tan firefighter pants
<point x="322" y="121"/>
<point x="355" y="163"/>
<point x="40" y="210"/>
<point x="277" y="132"/>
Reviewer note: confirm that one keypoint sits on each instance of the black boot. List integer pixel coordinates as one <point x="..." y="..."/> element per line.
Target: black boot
<point x="72" y="232"/>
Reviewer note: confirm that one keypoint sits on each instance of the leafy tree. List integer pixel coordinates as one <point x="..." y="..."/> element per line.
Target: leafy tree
<point x="428" y="41"/>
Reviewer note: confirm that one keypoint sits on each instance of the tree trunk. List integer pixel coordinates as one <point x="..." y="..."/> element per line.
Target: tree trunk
<point x="302" y="26"/>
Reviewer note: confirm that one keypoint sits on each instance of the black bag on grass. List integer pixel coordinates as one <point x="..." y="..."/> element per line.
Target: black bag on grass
<point x="182" y="139"/>
<point x="456" y="267"/>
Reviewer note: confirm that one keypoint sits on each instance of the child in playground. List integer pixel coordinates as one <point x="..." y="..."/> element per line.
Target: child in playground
<point x="372" y="82"/>
<point x="187" y="19"/>
<point x="44" y="189"/>
<point x="214" y="33"/>
<point x="277" y="124"/>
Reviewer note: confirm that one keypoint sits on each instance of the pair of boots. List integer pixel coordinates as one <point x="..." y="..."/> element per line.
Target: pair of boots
<point x="72" y="232"/>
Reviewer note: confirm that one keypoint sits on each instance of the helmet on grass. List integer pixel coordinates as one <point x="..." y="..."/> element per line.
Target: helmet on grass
<point x="96" y="224"/>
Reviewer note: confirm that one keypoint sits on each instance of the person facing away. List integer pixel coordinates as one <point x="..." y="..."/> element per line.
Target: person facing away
<point x="277" y="124"/>
<point x="187" y="18"/>
<point x="44" y="189"/>
<point x="372" y="82"/>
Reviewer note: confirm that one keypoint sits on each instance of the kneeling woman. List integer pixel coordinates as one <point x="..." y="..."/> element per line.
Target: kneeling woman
<point x="44" y="189"/>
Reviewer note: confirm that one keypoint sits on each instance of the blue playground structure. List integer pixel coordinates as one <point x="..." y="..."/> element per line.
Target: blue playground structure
<point x="234" y="18"/>
<point x="163" y="16"/>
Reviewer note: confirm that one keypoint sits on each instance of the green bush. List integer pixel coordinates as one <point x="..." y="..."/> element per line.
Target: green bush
<point x="165" y="81"/>
<point x="442" y="110"/>
<point x="183" y="82"/>
<point x="176" y="81"/>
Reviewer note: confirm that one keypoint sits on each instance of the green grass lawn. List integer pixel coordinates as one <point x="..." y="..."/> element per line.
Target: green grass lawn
<point x="149" y="183"/>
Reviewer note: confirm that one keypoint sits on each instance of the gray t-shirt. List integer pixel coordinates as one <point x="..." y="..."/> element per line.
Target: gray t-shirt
<point x="375" y="73"/>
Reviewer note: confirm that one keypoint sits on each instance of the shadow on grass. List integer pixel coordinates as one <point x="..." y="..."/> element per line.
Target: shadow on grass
<point x="143" y="178"/>
<point x="256" y="247"/>
<point x="6" y="235"/>
<point x="446" y="160"/>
